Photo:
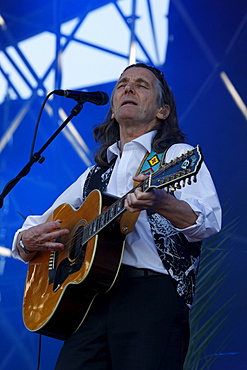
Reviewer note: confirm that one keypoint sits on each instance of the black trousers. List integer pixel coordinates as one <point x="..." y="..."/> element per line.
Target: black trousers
<point x="140" y="324"/>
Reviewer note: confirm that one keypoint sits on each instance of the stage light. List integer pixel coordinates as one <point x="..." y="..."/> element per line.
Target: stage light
<point x="234" y="93"/>
<point x="2" y="23"/>
<point x="5" y="252"/>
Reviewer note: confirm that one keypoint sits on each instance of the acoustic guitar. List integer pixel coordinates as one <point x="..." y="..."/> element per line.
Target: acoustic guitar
<point x="62" y="285"/>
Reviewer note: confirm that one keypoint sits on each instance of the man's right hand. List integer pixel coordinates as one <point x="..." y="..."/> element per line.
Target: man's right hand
<point x="41" y="238"/>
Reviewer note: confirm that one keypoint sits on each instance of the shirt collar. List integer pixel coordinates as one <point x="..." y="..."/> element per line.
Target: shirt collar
<point x="144" y="140"/>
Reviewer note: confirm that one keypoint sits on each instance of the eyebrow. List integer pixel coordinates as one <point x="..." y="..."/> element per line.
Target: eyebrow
<point x="139" y="80"/>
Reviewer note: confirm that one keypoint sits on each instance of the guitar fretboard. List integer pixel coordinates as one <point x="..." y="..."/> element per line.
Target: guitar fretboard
<point x="109" y="214"/>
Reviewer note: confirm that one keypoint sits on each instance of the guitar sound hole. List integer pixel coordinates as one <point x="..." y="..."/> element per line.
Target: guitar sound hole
<point x="77" y="249"/>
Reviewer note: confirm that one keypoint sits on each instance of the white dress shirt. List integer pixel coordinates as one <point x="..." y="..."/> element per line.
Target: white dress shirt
<point x="140" y="250"/>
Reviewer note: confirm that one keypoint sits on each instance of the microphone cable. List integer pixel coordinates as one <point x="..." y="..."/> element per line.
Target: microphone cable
<point x="37" y="123"/>
<point x="39" y="352"/>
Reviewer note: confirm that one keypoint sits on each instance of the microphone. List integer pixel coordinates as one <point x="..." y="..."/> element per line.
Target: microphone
<point x="95" y="97"/>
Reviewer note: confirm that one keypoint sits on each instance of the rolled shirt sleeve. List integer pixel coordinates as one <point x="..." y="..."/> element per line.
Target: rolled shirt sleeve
<point x="203" y="199"/>
<point x="72" y="195"/>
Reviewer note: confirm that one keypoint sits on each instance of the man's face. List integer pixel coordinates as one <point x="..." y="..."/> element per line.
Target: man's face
<point x="135" y="98"/>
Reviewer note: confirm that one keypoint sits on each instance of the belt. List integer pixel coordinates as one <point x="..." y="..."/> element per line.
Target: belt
<point x="129" y="272"/>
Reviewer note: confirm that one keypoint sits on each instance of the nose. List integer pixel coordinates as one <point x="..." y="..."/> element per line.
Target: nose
<point x="129" y="87"/>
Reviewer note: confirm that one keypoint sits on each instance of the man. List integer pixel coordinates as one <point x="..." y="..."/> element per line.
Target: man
<point x="142" y="322"/>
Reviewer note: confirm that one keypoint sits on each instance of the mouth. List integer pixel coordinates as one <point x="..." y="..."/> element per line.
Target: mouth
<point x="128" y="102"/>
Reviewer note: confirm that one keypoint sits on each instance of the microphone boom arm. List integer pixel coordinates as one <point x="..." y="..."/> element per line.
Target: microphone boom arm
<point x="36" y="157"/>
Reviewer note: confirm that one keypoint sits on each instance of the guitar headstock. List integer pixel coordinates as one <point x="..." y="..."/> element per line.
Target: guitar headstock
<point x="170" y="175"/>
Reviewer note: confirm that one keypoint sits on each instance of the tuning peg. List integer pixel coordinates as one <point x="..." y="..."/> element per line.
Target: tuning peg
<point x="172" y="188"/>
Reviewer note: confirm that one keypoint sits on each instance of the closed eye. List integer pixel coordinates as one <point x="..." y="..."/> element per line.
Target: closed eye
<point x="120" y="85"/>
<point x="142" y="85"/>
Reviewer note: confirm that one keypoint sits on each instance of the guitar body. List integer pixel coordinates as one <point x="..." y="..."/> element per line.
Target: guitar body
<point x="61" y="286"/>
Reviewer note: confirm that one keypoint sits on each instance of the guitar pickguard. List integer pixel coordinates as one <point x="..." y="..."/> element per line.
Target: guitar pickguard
<point x="66" y="268"/>
<point x="59" y="272"/>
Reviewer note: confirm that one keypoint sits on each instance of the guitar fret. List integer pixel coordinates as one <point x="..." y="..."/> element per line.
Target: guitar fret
<point x="94" y="226"/>
<point x="97" y="223"/>
<point x="119" y="206"/>
<point x="89" y="232"/>
<point x="85" y="235"/>
<point x="102" y="222"/>
<point x="145" y="187"/>
<point x="112" y="213"/>
<point x="107" y="215"/>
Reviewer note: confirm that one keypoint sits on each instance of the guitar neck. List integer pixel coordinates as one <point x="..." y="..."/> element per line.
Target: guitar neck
<point x="109" y="214"/>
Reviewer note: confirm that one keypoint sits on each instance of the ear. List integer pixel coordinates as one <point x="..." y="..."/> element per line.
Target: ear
<point x="112" y="115"/>
<point x="163" y="112"/>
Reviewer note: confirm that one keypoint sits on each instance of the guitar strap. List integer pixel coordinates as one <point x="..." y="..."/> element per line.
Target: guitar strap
<point x="151" y="162"/>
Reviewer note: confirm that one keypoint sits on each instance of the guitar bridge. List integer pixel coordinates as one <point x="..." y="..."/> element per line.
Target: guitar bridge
<point x="52" y="266"/>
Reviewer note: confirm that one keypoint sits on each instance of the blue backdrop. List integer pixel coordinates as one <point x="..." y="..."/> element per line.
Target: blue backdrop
<point x="207" y="41"/>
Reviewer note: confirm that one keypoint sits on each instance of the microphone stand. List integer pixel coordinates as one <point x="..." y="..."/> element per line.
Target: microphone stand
<point x="36" y="157"/>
